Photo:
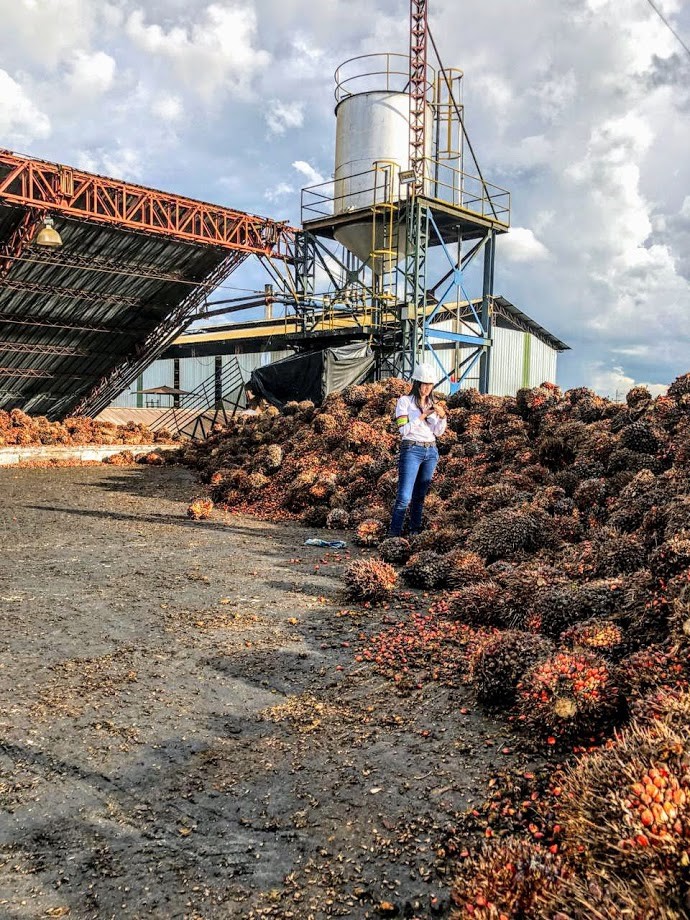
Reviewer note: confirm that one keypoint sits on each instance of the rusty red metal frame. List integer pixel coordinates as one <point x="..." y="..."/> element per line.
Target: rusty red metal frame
<point x="19" y="239"/>
<point x="30" y="183"/>
<point x="418" y="89"/>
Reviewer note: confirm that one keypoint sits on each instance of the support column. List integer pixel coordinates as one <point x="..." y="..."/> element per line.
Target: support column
<point x="416" y="246"/>
<point x="485" y="315"/>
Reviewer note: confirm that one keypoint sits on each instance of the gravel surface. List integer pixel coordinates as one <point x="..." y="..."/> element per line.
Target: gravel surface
<point x="185" y="731"/>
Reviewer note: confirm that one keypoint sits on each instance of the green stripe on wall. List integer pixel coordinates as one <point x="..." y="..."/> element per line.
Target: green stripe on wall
<point x="140" y="395"/>
<point x="526" y="358"/>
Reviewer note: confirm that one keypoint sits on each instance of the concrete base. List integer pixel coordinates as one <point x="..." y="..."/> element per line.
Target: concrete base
<point x="85" y="453"/>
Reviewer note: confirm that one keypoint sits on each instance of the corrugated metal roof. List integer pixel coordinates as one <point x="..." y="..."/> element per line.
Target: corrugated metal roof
<point x="521" y="321"/>
<point x="69" y="316"/>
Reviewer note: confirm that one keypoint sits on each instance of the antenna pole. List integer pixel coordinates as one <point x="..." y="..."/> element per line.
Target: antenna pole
<point x="419" y="31"/>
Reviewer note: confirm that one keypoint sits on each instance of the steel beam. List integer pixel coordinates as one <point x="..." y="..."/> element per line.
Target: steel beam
<point x="419" y="30"/>
<point x="38" y="349"/>
<point x="101" y="265"/>
<point x="69" y="192"/>
<point x="169" y="328"/>
<point x="32" y="373"/>
<point x="19" y="239"/>
<point x="48" y="322"/>
<point x="34" y="287"/>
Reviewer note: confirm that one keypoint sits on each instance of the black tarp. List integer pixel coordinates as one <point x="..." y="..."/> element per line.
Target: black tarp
<point x="312" y="375"/>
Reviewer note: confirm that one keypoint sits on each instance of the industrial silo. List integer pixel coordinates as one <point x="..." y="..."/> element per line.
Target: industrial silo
<point x="372" y="147"/>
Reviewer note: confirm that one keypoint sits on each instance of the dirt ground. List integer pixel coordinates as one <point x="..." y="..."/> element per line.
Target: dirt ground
<point x="185" y="731"/>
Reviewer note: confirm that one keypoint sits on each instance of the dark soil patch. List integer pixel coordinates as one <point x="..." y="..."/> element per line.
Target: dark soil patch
<point x="184" y="731"/>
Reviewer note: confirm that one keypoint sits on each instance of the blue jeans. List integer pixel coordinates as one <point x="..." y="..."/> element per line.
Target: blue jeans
<point x="415" y="471"/>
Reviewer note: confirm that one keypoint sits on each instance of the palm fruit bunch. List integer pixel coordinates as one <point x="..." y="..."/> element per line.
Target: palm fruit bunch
<point x="677" y="519"/>
<point x="680" y="387"/>
<point x="605" y="637"/>
<point x="151" y="459"/>
<point x="670" y="706"/>
<point x="617" y="553"/>
<point x="370" y="580"/>
<point x="395" y="550"/>
<point x="357" y="395"/>
<point x="641" y="494"/>
<point x="426" y="569"/>
<point x="569" y="695"/>
<point x="507" y="533"/>
<point x="638" y="398"/>
<point x="200" y="509"/>
<point x="122" y="458"/>
<point x="337" y="519"/>
<point x="679" y="619"/>
<point x="671" y="558"/>
<point x="464" y="568"/>
<point x="257" y="481"/>
<point x="552" y="609"/>
<point x="478" y="605"/>
<point x="511" y="879"/>
<point x="598" y="895"/>
<point x="627" y="807"/>
<point x="651" y="668"/>
<point x="502" y="662"/>
<point x="325" y="422"/>
<point x="370" y="532"/>
<point x="640" y="437"/>
<point x="533" y="403"/>
<point x="272" y="458"/>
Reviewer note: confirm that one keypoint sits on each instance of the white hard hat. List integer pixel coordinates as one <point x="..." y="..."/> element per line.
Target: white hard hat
<point x="424" y="373"/>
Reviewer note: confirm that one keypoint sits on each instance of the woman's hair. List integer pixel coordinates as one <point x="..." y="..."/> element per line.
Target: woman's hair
<point x="416" y="394"/>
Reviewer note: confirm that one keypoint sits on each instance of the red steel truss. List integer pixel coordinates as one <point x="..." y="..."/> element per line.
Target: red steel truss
<point x="50" y="187"/>
<point x="20" y="239"/>
<point x="419" y="32"/>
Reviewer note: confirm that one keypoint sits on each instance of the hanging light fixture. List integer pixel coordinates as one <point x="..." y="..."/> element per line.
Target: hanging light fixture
<point x="48" y="236"/>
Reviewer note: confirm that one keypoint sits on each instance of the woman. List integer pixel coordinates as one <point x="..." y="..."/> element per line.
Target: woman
<point x="420" y="422"/>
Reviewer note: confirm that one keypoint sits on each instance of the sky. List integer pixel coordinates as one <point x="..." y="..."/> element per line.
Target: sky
<point x="581" y="108"/>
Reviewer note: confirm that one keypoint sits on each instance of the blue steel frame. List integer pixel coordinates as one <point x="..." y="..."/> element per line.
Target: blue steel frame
<point x="418" y="327"/>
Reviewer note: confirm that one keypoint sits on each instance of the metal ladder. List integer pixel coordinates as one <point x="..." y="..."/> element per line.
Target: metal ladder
<point x="215" y="401"/>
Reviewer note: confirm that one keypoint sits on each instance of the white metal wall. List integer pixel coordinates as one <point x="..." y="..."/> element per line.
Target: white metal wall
<point x="513" y="365"/>
<point x="194" y="371"/>
<point x="542" y="363"/>
<point x="506" y="370"/>
<point x="518" y="359"/>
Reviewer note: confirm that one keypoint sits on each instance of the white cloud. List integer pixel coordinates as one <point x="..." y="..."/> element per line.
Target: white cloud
<point x="279" y="191"/>
<point x="121" y="162"/>
<point x="167" y="108"/>
<point x="614" y="383"/>
<point x="282" y="115"/>
<point x="521" y="245"/>
<point x="211" y="55"/>
<point x="44" y="34"/>
<point x="20" y="121"/>
<point x="312" y="175"/>
<point x="91" y="75"/>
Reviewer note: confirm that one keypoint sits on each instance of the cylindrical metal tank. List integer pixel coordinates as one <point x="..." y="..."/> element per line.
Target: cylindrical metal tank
<point x="372" y="125"/>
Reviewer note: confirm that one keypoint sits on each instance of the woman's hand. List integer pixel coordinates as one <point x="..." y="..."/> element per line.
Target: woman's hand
<point x="440" y="411"/>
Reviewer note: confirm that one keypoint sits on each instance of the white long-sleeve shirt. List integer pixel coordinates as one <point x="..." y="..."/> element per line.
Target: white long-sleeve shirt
<point x="412" y="426"/>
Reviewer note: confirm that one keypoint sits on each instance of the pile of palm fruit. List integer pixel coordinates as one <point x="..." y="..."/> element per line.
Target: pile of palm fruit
<point x="22" y="430"/>
<point x="557" y="523"/>
<point x="556" y="558"/>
